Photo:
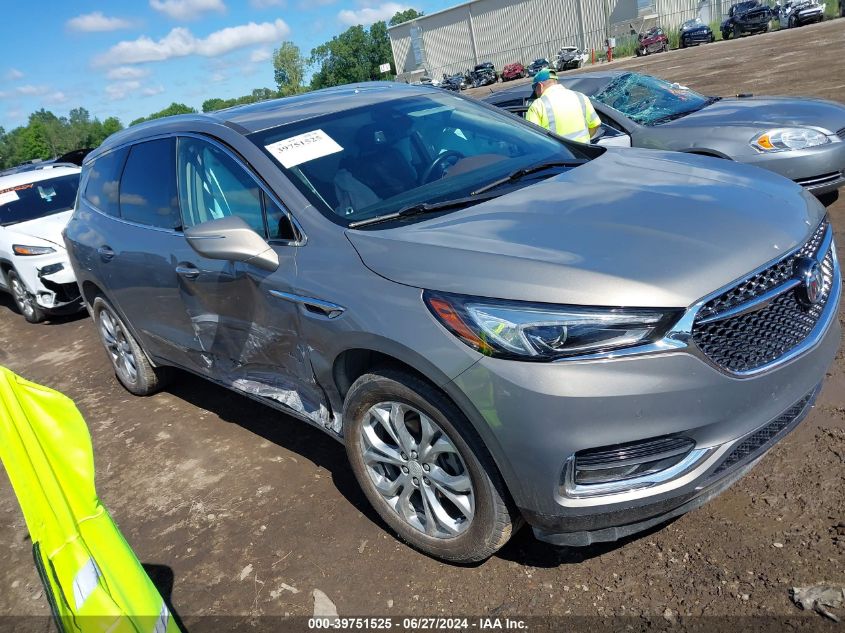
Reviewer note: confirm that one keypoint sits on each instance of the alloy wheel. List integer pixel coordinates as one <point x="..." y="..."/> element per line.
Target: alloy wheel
<point x="23" y="299"/>
<point x="119" y="349"/>
<point x="417" y="469"/>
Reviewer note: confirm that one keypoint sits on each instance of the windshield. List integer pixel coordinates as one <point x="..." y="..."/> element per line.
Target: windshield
<point x="37" y="199"/>
<point x="427" y="148"/>
<point x="691" y="24"/>
<point x="648" y="100"/>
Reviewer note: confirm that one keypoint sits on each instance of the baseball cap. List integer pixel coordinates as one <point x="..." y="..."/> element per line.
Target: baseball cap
<point x="544" y="75"/>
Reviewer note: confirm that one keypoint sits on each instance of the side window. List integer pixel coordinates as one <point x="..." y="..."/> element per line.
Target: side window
<point x="102" y="187"/>
<point x="213" y="186"/>
<point x="279" y="226"/>
<point x="148" y="187"/>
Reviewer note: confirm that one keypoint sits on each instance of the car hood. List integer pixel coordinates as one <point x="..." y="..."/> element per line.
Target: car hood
<point x="631" y="228"/>
<point x="763" y="112"/>
<point x="48" y="228"/>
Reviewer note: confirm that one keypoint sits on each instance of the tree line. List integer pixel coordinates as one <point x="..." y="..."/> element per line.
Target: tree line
<point x="354" y="55"/>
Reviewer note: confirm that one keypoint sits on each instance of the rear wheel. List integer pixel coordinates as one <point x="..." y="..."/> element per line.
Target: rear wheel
<point x="24" y="300"/>
<point x="130" y="364"/>
<point x="423" y="469"/>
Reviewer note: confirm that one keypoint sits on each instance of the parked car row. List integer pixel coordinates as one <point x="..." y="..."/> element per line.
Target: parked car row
<point x="426" y="278"/>
<point x="748" y="17"/>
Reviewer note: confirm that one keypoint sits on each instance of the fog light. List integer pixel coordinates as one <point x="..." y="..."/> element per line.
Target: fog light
<point x="50" y="270"/>
<point x="630" y="466"/>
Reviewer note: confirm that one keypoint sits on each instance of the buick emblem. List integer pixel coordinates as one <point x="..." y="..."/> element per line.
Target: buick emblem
<point x="809" y="275"/>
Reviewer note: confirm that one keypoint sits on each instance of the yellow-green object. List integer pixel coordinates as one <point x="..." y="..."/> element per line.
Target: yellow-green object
<point x="91" y="576"/>
<point x="565" y="112"/>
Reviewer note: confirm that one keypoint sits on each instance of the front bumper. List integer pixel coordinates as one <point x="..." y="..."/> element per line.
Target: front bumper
<point x="726" y="467"/>
<point x="55" y="292"/>
<point x="819" y="170"/>
<point x="698" y="37"/>
<point x="536" y="415"/>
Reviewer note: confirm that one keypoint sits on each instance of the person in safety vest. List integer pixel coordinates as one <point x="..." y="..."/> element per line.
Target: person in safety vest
<point x="565" y="112"/>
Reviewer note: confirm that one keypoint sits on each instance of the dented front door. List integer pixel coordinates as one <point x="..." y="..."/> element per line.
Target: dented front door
<point x="246" y="337"/>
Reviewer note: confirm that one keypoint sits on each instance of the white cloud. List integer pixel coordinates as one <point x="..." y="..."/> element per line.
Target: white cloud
<point x="30" y="90"/>
<point x="126" y="72"/>
<point x="14" y="74"/>
<point x="266" y="4"/>
<point x="218" y="77"/>
<point x="260" y="55"/>
<point x="122" y="89"/>
<point x="368" y="15"/>
<point x="180" y="42"/>
<point x="152" y="90"/>
<point x="187" y="9"/>
<point x="96" y="22"/>
<point x="56" y="98"/>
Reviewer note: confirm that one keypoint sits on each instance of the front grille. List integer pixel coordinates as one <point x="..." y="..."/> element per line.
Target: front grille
<point x="748" y="341"/>
<point x="817" y="181"/>
<point x="765" y="436"/>
<point x="841" y="133"/>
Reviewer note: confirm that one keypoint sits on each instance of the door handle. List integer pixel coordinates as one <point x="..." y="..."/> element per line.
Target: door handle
<point x="188" y="271"/>
<point x="106" y="253"/>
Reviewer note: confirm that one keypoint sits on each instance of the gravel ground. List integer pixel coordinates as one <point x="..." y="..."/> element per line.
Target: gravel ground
<point x="247" y="512"/>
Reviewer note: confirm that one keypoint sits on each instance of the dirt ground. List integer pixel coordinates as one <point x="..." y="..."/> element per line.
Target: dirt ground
<point x="246" y="512"/>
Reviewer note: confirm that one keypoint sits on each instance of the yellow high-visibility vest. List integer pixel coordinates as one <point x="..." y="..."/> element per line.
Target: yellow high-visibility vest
<point x="91" y="576"/>
<point x="565" y="112"/>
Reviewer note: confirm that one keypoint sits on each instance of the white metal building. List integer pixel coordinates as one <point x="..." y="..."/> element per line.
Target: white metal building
<point x="504" y="31"/>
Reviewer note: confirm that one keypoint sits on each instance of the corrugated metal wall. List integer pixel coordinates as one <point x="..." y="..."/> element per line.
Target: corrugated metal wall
<point x="505" y="31"/>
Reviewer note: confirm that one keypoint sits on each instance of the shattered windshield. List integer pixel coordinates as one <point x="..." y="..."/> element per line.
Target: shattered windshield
<point x="691" y="24"/>
<point x="650" y="101"/>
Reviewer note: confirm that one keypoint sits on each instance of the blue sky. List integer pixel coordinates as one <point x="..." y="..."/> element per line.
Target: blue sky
<point x="129" y="59"/>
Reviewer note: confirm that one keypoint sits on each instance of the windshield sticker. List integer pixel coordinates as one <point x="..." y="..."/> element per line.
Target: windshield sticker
<point x="302" y="148"/>
<point x="8" y="196"/>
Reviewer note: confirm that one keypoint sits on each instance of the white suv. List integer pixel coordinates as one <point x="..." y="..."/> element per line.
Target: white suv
<point x="35" y="206"/>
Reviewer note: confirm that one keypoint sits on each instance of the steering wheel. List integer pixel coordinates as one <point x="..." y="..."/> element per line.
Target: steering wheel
<point x="439" y="163"/>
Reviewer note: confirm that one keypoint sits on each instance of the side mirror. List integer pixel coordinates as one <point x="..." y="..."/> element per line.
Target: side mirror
<point x="232" y="239"/>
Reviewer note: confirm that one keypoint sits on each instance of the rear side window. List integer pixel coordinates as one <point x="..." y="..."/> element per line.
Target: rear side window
<point x="213" y="186"/>
<point x="148" y="187"/>
<point x="104" y="181"/>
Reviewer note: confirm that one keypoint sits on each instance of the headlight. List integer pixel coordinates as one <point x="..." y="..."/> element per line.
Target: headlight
<point x="788" y="138"/>
<point x="542" y="332"/>
<point x="25" y="251"/>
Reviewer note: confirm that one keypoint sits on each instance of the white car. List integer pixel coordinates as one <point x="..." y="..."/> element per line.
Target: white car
<point x="571" y="57"/>
<point x="35" y="206"/>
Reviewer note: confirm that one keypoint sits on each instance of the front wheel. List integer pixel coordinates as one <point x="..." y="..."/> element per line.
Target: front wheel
<point x="24" y="300"/>
<point x="423" y="468"/>
<point x="130" y="364"/>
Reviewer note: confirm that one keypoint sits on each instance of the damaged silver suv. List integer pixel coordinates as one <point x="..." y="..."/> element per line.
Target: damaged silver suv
<point x="498" y="324"/>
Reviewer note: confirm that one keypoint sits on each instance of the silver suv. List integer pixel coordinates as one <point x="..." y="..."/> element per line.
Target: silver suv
<point x="498" y="324"/>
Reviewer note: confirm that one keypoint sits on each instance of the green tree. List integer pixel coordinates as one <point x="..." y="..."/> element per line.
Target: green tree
<point x="171" y="110"/>
<point x="288" y="69"/>
<point x="211" y="105"/>
<point x="404" y="16"/>
<point x="110" y="126"/>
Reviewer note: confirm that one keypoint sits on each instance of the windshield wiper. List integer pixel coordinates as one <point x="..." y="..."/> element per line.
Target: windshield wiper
<point x="525" y="171"/>
<point x="420" y="208"/>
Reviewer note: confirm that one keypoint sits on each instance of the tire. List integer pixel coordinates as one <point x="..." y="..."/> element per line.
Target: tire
<point x="682" y="44"/>
<point x="737" y="32"/>
<point x="375" y="406"/>
<point x="24" y="301"/>
<point x="128" y="360"/>
<point x="793" y="22"/>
